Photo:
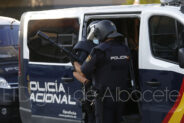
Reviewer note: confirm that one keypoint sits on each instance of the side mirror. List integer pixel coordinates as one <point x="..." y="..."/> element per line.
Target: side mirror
<point x="181" y="57"/>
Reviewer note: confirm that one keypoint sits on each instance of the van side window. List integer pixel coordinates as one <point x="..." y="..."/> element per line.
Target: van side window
<point x="164" y="36"/>
<point x="62" y="31"/>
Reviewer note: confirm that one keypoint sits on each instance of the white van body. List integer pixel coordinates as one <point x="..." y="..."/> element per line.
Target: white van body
<point x="8" y="21"/>
<point x="157" y="64"/>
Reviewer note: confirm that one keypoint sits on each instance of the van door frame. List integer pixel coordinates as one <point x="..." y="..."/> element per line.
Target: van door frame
<point x="89" y="16"/>
<point x="116" y="15"/>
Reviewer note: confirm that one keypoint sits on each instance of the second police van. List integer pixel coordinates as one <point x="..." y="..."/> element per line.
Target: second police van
<point x="48" y="92"/>
<point x="9" y="103"/>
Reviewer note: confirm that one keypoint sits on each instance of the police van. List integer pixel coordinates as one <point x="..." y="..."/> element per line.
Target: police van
<point x="48" y="92"/>
<point x="9" y="106"/>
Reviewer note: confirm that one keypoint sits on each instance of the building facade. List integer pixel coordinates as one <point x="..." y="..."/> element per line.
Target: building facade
<point x="15" y="8"/>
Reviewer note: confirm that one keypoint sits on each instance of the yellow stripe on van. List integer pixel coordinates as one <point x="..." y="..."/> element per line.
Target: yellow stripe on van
<point x="179" y="112"/>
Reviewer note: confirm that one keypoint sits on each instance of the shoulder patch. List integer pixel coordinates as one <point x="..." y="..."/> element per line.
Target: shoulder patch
<point x="88" y="58"/>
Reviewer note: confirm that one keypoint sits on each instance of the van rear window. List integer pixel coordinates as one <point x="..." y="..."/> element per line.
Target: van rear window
<point x="9" y="35"/>
<point x="62" y="31"/>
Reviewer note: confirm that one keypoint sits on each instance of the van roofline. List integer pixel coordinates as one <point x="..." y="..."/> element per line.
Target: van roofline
<point x="8" y="21"/>
<point x="104" y="9"/>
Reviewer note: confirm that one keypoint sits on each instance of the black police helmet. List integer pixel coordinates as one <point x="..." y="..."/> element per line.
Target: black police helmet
<point x="90" y="25"/>
<point x="106" y="29"/>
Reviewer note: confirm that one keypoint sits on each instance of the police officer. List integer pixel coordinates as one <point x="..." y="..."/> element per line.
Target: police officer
<point x="82" y="49"/>
<point x="108" y="63"/>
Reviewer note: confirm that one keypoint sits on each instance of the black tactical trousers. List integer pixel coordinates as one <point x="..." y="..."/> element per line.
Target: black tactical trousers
<point x="91" y="117"/>
<point x="108" y="111"/>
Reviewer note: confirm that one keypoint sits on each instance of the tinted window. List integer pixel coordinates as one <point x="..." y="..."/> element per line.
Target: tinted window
<point x="8" y="53"/>
<point x="62" y="31"/>
<point x="8" y="35"/>
<point x="164" y="36"/>
<point x="8" y="42"/>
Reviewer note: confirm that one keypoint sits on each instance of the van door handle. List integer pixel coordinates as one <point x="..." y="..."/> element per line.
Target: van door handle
<point x="154" y="84"/>
<point x="67" y="79"/>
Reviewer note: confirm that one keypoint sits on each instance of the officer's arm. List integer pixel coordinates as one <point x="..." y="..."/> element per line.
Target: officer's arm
<point x="80" y="77"/>
<point x="77" y="67"/>
<point x="78" y="74"/>
<point x="89" y="66"/>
